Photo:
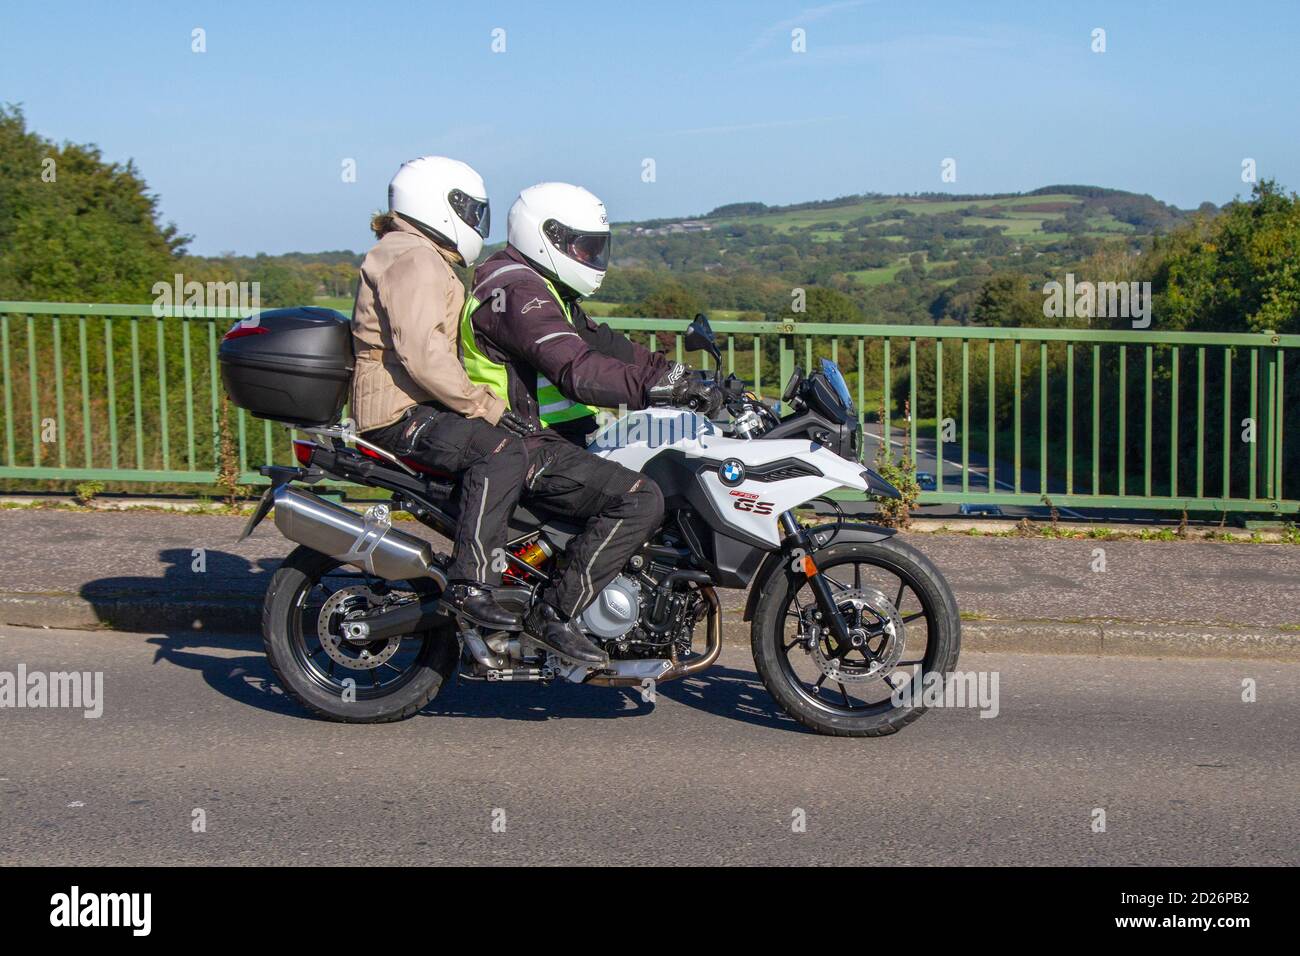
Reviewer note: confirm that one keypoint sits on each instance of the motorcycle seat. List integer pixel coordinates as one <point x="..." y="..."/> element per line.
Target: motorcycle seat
<point x="523" y="520"/>
<point x="560" y="530"/>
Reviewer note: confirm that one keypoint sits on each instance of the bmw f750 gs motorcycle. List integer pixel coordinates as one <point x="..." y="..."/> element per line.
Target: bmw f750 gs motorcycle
<point x="842" y="615"/>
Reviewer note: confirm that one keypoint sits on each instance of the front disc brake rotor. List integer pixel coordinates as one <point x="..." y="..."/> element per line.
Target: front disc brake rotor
<point x="343" y="604"/>
<point x="875" y="638"/>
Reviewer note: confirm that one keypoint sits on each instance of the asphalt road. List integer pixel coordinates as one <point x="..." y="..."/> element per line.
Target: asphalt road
<point x="1186" y="772"/>
<point x="926" y="456"/>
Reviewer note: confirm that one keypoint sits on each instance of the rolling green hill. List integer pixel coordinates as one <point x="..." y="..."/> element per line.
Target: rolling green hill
<point x="921" y="258"/>
<point x="916" y="258"/>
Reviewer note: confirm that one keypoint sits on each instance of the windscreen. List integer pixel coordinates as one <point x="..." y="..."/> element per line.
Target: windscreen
<point x="834" y="376"/>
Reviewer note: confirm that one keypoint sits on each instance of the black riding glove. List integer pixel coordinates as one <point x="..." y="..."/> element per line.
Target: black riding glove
<point x="516" y="425"/>
<point x="681" y="387"/>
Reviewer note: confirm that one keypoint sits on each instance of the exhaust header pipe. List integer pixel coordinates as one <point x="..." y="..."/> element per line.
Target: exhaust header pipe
<point x="675" y="669"/>
<point x="368" y="541"/>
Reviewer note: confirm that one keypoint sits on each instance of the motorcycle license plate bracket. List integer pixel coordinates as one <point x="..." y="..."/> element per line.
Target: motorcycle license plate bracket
<point x="280" y="476"/>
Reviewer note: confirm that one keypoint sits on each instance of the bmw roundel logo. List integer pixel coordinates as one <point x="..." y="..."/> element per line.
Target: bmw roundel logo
<point x="732" y="472"/>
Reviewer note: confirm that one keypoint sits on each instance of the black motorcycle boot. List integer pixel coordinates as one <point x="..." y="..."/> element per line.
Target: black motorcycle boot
<point x="475" y="603"/>
<point x="544" y="623"/>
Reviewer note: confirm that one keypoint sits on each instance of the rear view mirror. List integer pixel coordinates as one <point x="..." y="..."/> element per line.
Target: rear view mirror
<point x="699" y="338"/>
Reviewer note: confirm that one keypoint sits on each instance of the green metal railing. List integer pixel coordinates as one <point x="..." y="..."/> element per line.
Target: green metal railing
<point x="1080" y="418"/>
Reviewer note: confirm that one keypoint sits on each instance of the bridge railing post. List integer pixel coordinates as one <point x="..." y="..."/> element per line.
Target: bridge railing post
<point x="786" y="366"/>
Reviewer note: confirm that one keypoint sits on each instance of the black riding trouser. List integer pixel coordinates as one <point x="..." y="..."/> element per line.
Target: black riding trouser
<point x="621" y="509"/>
<point x="490" y="463"/>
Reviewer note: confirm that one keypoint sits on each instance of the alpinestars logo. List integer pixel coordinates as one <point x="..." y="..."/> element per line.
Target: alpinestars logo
<point x="534" y="304"/>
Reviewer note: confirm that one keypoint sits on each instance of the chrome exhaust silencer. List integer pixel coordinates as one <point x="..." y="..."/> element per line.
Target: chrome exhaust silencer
<point x="367" y="541"/>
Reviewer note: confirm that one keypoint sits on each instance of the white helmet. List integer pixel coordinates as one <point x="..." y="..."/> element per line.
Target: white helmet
<point x="443" y="197"/>
<point x="564" y="231"/>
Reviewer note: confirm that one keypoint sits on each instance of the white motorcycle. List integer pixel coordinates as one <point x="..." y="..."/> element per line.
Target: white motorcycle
<point x="845" y="620"/>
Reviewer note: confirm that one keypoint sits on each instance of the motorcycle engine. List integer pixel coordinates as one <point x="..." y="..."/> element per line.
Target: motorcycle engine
<point x="634" y="617"/>
<point x="615" y="610"/>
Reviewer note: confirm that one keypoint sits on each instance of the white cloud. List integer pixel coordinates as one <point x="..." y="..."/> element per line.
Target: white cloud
<point x="782" y="28"/>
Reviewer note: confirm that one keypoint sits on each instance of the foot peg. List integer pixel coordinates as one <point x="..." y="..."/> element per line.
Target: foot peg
<point x="475" y="604"/>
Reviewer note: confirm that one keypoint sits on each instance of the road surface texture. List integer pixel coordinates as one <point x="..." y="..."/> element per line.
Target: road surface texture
<point x="1185" y="771"/>
<point x="147" y="570"/>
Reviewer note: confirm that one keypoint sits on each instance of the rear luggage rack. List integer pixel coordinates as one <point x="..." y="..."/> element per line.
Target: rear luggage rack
<point x="346" y="431"/>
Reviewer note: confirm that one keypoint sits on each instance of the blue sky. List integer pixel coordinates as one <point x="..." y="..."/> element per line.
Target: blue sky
<point x="245" y="143"/>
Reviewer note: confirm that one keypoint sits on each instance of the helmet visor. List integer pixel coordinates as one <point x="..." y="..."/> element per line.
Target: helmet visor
<point x="590" y="249"/>
<point x="475" y="212"/>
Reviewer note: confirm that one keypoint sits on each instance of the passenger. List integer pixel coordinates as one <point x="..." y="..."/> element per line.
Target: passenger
<point x="410" y="393"/>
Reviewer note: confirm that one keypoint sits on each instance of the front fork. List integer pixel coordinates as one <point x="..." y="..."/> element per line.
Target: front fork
<point x="799" y="541"/>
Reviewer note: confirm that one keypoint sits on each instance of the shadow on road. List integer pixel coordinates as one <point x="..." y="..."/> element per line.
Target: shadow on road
<point x="732" y="692"/>
<point x="726" y="692"/>
<point x="226" y="599"/>
<point x="203" y="588"/>
<point x="222" y="603"/>
<point x="244" y="678"/>
<point x="723" y="691"/>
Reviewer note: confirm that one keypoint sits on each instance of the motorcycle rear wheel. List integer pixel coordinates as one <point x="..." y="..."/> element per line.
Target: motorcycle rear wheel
<point x="863" y="706"/>
<point x="394" y="690"/>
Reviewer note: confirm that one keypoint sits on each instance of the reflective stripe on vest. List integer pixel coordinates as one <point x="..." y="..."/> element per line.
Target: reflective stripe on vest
<point x="552" y="405"/>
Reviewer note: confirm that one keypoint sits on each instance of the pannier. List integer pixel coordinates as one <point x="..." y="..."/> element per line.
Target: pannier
<point x="289" y="365"/>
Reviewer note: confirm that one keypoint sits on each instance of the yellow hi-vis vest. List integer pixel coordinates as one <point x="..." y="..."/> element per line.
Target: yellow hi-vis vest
<point x="553" y="406"/>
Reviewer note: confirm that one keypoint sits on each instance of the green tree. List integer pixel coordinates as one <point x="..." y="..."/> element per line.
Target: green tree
<point x="1006" y="300"/>
<point x="672" y="300"/>
<point x="1238" y="272"/>
<point x="828" y="305"/>
<point x="74" y="227"/>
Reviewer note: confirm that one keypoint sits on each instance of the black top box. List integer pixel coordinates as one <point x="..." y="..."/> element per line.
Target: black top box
<point x="289" y="365"/>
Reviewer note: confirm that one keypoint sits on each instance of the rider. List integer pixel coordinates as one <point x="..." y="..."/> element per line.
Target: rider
<point x="410" y="393"/>
<point x="525" y="336"/>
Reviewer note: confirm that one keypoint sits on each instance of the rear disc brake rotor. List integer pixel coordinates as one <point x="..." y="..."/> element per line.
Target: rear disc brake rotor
<point x="343" y="604"/>
<point x="875" y="638"/>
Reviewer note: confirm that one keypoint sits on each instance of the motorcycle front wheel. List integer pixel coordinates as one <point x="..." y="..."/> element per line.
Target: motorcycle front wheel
<point x="309" y="597"/>
<point x="905" y="626"/>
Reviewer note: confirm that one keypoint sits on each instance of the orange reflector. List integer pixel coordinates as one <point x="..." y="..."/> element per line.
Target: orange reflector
<point x="808" y="567"/>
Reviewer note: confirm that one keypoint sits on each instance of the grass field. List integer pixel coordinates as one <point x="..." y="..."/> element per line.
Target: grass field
<point x="1041" y="209"/>
<point x="606" y="309"/>
<point x="1024" y="218"/>
<point x="338" y="304"/>
<point x="870" y="277"/>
